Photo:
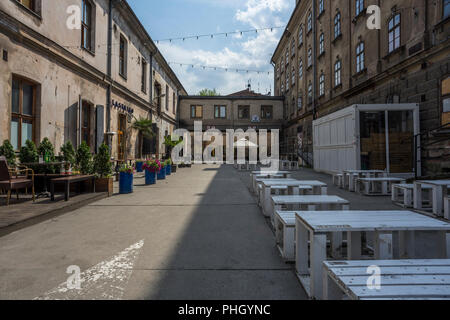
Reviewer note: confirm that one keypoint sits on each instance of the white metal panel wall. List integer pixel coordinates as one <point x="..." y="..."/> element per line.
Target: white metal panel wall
<point x="335" y="141"/>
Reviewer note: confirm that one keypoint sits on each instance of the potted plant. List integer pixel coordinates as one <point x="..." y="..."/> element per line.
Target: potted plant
<point x="103" y="170"/>
<point x="28" y="154"/>
<point x="84" y="159"/>
<point x="7" y="151"/>
<point x="168" y="166"/>
<point x="162" y="173"/>
<point x="126" y="179"/>
<point x="145" y="128"/>
<point x="68" y="156"/>
<point x="139" y="166"/>
<point x="151" y="168"/>
<point x="47" y="151"/>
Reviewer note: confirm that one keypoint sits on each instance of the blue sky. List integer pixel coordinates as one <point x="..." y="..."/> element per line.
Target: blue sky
<point x="177" y="18"/>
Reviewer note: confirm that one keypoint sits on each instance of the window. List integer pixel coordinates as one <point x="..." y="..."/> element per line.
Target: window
<point x="287" y="80"/>
<point x="300" y="36"/>
<point x="167" y="98"/>
<point x="282" y="88"/>
<point x="196" y="112"/>
<point x="22" y="112"/>
<point x="293" y="47"/>
<point x="445" y="8"/>
<point x="278" y="71"/>
<point x="309" y="21"/>
<point x="86" y="123"/>
<point x="337" y="73"/>
<point x="123" y="48"/>
<point x="244" y="112"/>
<point x="86" y="25"/>
<point x="287" y="56"/>
<point x="321" y="44"/>
<point x="321" y="6"/>
<point x="300" y="69"/>
<point x="220" y="112"/>
<point x="144" y="76"/>
<point x="174" y="103"/>
<point x="359" y="7"/>
<point x="266" y="112"/>
<point x="322" y="85"/>
<point x="32" y="5"/>
<point x="293" y="75"/>
<point x="310" y="93"/>
<point x="300" y="102"/>
<point x="394" y="32"/>
<point x="337" y="25"/>
<point x="309" y="57"/>
<point x="360" y="57"/>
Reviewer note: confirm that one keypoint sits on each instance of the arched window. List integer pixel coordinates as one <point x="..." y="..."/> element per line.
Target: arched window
<point x="337" y="73"/>
<point x="309" y="57"/>
<point x="321" y="6"/>
<point x="337" y="25"/>
<point x="322" y="43"/>
<point x="293" y="75"/>
<point x="310" y="93"/>
<point x="300" y="69"/>
<point x="300" y="36"/>
<point x="309" y="21"/>
<point x="360" y="57"/>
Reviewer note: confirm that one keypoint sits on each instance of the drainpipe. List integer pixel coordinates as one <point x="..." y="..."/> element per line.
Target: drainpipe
<point x="151" y="82"/>
<point x="108" y="72"/>
<point x="314" y="57"/>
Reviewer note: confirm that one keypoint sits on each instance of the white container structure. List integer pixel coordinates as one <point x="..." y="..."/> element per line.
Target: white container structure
<point x="368" y="137"/>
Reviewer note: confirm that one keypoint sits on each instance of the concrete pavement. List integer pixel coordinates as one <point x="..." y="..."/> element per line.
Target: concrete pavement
<point x="197" y="235"/>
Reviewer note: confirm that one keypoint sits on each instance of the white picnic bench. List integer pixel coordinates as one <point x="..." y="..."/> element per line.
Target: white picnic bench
<point x="338" y="180"/>
<point x="399" y="280"/>
<point x="447" y="207"/>
<point x="396" y="235"/>
<point x="350" y="176"/>
<point x="377" y="186"/>
<point x="402" y="194"/>
<point x="319" y="188"/>
<point x="255" y="175"/>
<point x="285" y="234"/>
<point x="439" y="190"/>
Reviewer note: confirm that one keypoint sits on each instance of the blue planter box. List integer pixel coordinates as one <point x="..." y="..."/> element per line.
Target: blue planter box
<point x="150" y="177"/>
<point x="139" y="166"/>
<point x="162" y="174"/>
<point x="168" y="170"/>
<point x="125" y="183"/>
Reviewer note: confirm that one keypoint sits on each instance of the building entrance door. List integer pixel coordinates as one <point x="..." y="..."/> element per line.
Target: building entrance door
<point x="121" y="137"/>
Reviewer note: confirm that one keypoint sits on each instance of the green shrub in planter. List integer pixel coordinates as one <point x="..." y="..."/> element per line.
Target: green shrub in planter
<point x="68" y="155"/>
<point x="28" y="153"/>
<point x="103" y="170"/>
<point x="7" y="151"/>
<point x="47" y="151"/>
<point x="84" y="159"/>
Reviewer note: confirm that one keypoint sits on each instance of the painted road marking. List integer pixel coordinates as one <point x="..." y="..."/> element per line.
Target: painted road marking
<point x="104" y="281"/>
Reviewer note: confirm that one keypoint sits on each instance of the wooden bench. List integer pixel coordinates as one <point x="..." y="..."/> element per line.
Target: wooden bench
<point x="67" y="181"/>
<point x="376" y="186"/>
<point x="338" y="180"/>
<point x="399" y="280"/>
<point x="402" y="194"/>
<point x="439" y="190"/>
<point x="447" y="207"/>
<point x="396" y="234"/>
<point x="285" y="234"/>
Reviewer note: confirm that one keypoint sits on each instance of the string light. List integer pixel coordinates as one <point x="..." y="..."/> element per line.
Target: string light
<point x="212" y="35"/>
<point x="215" y="68"/>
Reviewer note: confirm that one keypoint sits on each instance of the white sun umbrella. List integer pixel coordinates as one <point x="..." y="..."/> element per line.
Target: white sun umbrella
<point x="243" y="143"/>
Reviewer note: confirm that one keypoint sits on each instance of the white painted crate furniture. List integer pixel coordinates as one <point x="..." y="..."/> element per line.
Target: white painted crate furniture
<point x="285" y="165"/>
<point x="439" y="190"/>
<point x="285" y="234"/>
<point x="318" y="188"/>
<point x="397" y="234"/>
<point x="261" y="190"/>
<point x="338" y="180"/>
<point x="377" y="186"/>
<point x="447" y="207"/>
<point x="276" y="191"/>
<point x="400" y="280"/>
<point x="268" y="175"/>
<point x="350" y="176"/>
<point x="402" y="194"/>
<point x="307" y="203"/>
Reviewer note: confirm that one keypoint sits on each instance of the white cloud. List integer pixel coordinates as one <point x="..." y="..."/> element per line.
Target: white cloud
<point x="254" y="52"/>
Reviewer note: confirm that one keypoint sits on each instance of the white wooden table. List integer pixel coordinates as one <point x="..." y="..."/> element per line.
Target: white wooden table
<point x="268" y="175"/>
<point x="264" y="189"/>
<point x="438" y="192"/>
<point x="338" y="180"/>
<point x="318" y="188"/>
<point x="370" y="185"/>
<point x="285" y="234"/>
<point x="402" y="194"/>
<point x="399" y="280"/>
<point x="350" y="176"/>
<point x="397" y="234"/>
